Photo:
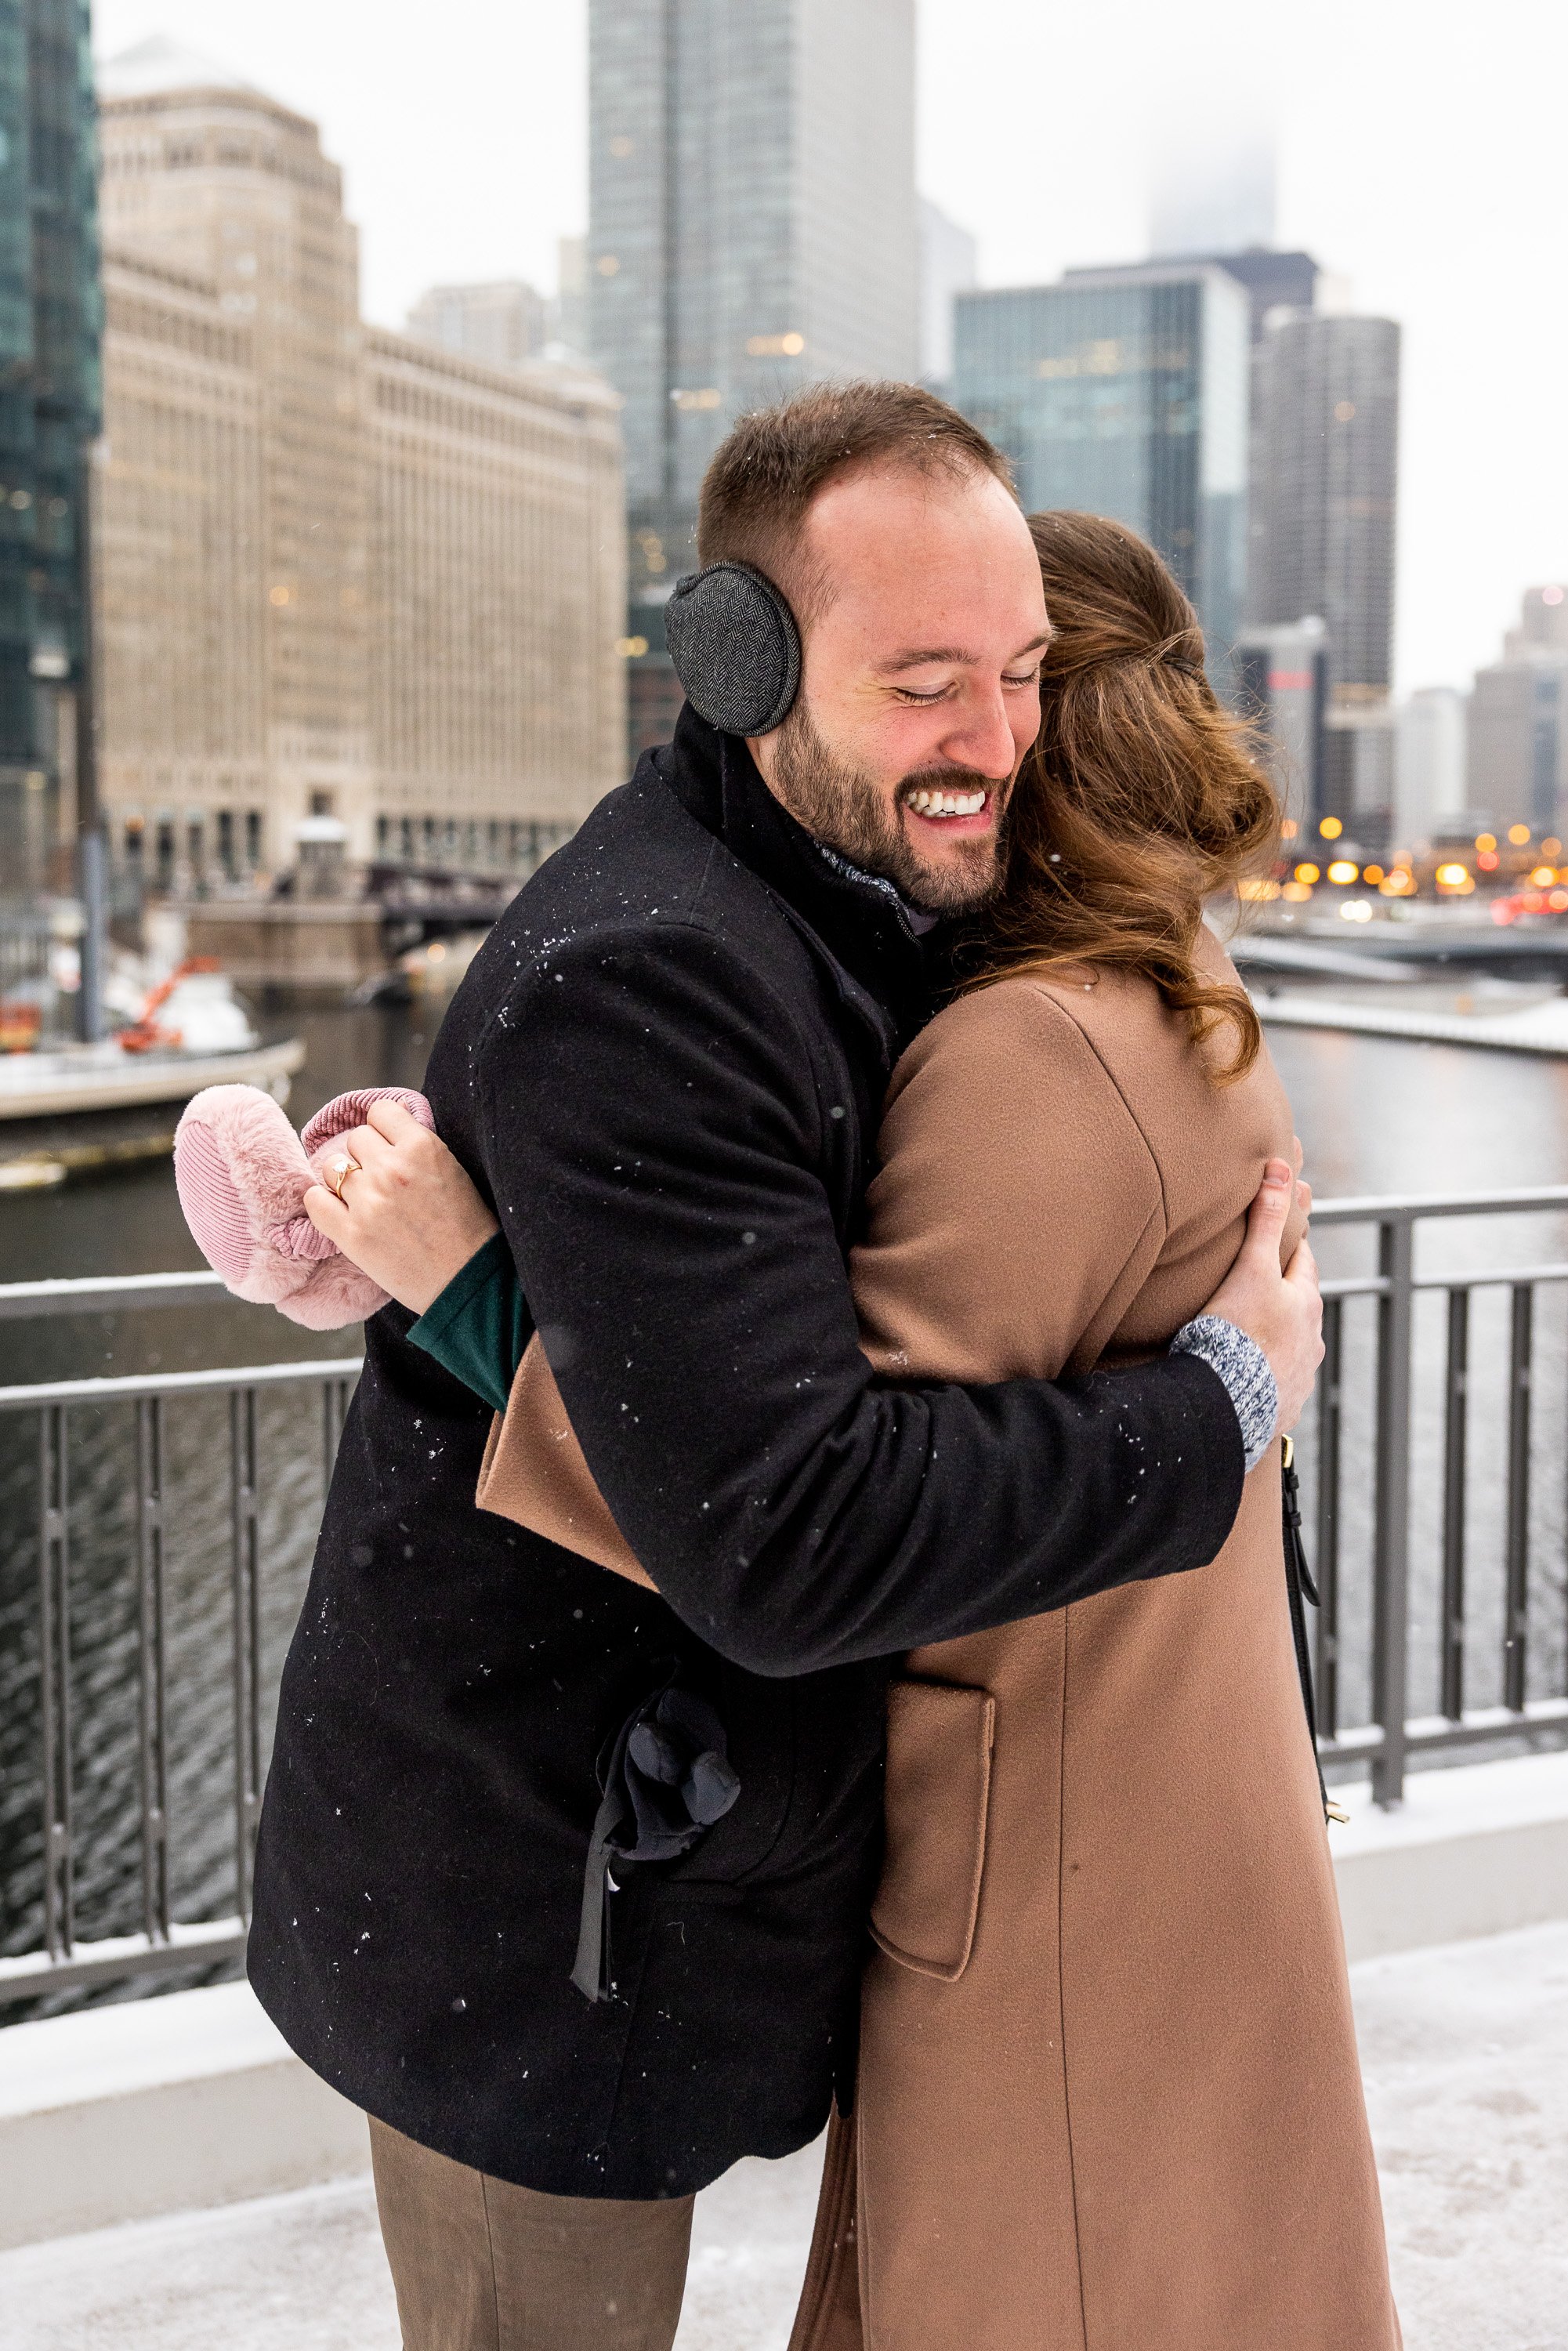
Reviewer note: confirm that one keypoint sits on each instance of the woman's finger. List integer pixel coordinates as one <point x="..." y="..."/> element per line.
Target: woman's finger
<point x="361" y="1143"/>
<point x="1303" y="1268"/>
<point x="1266" y="1218"/>
<point x="391" y="1119"/>
<point x="327" y="1212"/>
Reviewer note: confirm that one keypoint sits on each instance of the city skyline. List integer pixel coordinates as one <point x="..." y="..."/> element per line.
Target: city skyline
<point x="1424" y="174"/>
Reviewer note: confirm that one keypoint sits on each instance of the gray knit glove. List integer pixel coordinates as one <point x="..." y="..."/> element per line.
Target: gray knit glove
<point x="1244" y="1368"/>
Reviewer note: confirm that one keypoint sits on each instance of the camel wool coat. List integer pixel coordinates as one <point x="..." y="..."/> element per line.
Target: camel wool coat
<point x="1108" y="2096"/>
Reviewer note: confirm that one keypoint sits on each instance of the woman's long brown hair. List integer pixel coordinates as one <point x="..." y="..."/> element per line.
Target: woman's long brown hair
<point x="1140" y="798"/>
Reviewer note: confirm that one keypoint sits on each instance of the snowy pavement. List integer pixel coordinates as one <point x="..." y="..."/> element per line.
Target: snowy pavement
<point x="1466" y="2053"/>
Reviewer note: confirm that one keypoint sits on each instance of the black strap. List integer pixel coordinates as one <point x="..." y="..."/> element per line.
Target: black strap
<point x="1300" y="1586"/>
<point x="591" y="1970"/>
<point x="666" y="1778"/>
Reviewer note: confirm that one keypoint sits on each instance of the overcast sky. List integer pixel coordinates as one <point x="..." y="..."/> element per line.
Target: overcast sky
<point x="1421" y="152"/>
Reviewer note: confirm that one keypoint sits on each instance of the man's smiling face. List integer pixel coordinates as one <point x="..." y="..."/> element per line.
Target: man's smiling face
<point x="923" y="629"/>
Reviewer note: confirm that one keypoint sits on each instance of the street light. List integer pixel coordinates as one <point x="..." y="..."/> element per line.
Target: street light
<point x="92" y="848"/>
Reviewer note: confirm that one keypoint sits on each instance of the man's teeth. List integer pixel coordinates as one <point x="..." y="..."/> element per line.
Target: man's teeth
<point x="930" y="803"/>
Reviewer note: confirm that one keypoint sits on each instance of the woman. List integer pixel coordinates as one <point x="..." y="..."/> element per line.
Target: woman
<point x="1108" y="2093"/>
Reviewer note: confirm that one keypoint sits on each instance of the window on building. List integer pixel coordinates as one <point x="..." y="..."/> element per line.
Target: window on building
<point x="226" y="843"/>
<point x="252" y="839"/>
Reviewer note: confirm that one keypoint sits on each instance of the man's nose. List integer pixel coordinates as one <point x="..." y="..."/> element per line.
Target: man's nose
<point x="981" y="738"/>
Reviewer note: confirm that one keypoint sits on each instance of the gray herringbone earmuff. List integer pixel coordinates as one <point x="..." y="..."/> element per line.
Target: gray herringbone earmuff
<point x="736" y="647"/>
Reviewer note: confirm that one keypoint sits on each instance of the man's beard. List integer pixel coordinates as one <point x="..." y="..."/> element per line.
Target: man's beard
<point x="842" y="808"/>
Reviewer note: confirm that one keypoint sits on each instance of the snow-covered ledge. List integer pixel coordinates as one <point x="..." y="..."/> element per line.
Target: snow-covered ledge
<point x="157" y="2105"/>
<point x="1473" y="1851"/>
<point x="162" y="2106"/>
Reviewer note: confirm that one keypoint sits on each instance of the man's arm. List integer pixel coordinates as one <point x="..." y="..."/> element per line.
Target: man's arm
<point x="654" y="1141"/>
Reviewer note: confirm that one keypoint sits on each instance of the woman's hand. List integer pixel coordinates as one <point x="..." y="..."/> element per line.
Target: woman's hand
<point x="407" y="1214"/>
<point x="1284" y="1311"/>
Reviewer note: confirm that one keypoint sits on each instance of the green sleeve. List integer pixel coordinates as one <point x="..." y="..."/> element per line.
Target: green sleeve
<point x="478" y="1327"/>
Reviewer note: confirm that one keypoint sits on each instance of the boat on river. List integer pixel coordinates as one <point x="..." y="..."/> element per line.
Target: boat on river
<point x="73" y="1108"/>
<point x="79" y="1077"/>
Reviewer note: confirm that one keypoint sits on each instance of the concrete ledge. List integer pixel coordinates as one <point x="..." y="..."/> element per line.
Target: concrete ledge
<point x="1479" y="1850"/>
<point x="193" y="2100"/>
<point x="160" y="2105"/>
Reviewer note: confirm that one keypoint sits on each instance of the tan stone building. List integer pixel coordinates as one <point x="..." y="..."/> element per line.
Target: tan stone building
<point x="341" y="573"/>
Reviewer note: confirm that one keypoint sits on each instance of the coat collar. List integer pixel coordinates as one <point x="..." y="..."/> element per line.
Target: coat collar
<point x="860" y="918"/>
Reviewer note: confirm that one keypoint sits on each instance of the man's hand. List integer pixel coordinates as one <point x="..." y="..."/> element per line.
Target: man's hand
<point x="1284" y="1311"/>
<point x="408" y="1215"/>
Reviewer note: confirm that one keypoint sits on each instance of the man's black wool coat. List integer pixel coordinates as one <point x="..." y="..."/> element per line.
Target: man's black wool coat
<point x="665" y="1070"/>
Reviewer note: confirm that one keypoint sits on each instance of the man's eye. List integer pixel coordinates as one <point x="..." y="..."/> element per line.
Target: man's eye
<point x="1030" y="677"/>
<point x="908" y="693"/>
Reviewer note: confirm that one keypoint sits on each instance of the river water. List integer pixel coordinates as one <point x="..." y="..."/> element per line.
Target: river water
<point x="1376" y="1116"/>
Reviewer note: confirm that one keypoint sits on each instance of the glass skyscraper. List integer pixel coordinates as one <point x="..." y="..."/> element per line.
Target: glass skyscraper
<point x="752" y="228"/>
<point x="1326" y="447"/>
<point x="1126" y="394"/>
<point x="1328" y="423"/>
<point x="1518" y="722"/>
<point x="49" y="402"/>
<point x="1273" y="280"/>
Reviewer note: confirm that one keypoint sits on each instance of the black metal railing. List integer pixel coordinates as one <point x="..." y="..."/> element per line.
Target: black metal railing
<point x="1428" y="1443"/>
<point x="1427" y="1423"/>
<point x="160" y="1943"/>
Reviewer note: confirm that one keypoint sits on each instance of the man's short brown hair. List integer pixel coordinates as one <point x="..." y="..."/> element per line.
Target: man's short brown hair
<point x="764" y="475"/>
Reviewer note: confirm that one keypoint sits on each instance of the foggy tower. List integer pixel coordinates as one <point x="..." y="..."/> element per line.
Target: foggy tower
<point x="1212" y="191"/>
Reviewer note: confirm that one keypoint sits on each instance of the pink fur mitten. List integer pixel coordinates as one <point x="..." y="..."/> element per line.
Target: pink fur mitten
<point x="242" y="1175"/>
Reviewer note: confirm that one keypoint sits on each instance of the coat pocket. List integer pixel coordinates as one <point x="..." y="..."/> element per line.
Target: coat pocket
<point x="939" y="1737"/>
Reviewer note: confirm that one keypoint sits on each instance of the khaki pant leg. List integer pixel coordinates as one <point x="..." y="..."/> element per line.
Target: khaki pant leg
<point x="481" y="2265"/>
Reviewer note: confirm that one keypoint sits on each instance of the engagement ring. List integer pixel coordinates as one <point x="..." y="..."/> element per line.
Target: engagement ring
<point x="340" y="1172"/>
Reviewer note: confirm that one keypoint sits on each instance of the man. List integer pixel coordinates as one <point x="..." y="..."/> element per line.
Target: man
<point x="663" y="1072"/>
